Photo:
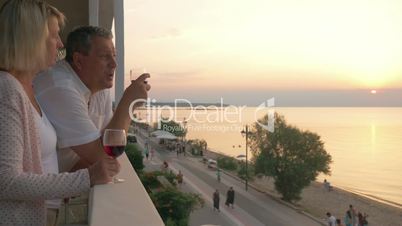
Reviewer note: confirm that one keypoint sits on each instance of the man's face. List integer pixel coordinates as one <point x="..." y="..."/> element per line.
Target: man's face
<point x="99" y="65"/>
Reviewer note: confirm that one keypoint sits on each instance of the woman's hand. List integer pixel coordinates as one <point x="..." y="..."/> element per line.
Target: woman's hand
<point x="102" y="171"/>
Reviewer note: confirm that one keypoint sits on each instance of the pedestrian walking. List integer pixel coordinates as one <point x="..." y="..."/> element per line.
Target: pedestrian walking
<point x="348" y="218"/>
<point x="353" y="212"/>
<point x="179" y="178"/>
<point x="362" y="219"/>
<point x="339" y="222"/>
<point x="215" y="199"/>
<point x="165" y="166"/>
<point x="230" y="195"/>
<point x="218" y="174"/>
<point x="327" y="185"/>
<point x="331" y="219"/>
<point x="183" y="149"/>
<point x="152" y="153"/>
<point x="146" y="150"/>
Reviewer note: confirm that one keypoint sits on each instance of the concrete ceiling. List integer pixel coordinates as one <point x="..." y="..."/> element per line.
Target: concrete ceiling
<point x="77" y="14"/>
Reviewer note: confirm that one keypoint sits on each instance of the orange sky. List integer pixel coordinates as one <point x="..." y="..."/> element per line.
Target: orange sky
<point x="265" y="44"/>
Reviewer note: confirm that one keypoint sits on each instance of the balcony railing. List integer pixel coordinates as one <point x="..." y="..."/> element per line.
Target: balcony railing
<point x="121" y="204"/>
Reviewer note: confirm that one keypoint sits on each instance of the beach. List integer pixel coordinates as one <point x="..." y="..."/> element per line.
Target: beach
<point x="317" y="201"/>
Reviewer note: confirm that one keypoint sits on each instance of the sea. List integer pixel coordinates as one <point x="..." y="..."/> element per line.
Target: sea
<point x="365" y="143"/>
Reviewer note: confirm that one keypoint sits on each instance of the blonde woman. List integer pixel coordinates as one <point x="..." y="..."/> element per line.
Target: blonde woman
<point x="28" y="168"/>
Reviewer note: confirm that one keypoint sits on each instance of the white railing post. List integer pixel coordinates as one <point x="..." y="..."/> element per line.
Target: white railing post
<point x="119" y="40"/>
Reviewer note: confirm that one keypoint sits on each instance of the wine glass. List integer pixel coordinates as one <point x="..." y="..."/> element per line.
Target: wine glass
<point x="114" y="143"/>
<point x="136" y="72"/>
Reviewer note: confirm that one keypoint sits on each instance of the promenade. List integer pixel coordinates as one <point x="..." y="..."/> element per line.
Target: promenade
<point x="252" y="208"/>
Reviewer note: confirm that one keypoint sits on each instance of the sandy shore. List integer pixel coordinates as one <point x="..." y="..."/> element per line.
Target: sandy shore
<point x="317" y="201"/>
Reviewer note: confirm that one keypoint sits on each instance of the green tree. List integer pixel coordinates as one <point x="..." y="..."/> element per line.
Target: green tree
<point x="243" y="173"/>
<point x="135" y="157"/>
<point x="227" y="163"/>
<point x="175" y="206"/>
<point x="197" y="145"/>
<point x="293" y="157"/>
<point x="150" y="181"/>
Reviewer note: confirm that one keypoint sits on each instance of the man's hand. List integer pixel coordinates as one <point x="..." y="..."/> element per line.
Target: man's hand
<point x="138" y="90"/>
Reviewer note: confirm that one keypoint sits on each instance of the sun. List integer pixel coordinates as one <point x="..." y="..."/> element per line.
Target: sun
<point x="373" y="91"/>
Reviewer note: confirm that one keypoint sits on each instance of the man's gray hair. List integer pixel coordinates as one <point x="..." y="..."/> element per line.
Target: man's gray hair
<point x="79" y="40"/>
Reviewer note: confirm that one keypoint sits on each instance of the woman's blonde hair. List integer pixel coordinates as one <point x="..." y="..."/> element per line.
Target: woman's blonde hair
<point x="24" y="29"/>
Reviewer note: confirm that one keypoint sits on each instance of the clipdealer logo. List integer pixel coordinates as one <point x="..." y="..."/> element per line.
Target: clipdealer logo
<point x="266" y="106"/>
<point x="215" y="117"/>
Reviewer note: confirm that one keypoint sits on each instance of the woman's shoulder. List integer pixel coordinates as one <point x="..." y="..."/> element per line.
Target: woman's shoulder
<point x="10" y="88"/>
<point x="7" y="78"/>
<point x="9" y="82"/>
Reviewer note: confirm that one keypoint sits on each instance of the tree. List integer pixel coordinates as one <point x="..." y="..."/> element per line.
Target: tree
<point x="175" y="206"/>
<point x="150" y="181"/>
<point x="242" y="173"/>
<point x="291" y="156"/>
<point x="135" y="157"/>
<point x="227" y="163"/>
<point x="197" y="145"/>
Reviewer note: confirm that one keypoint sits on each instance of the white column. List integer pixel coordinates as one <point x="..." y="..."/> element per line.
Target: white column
<point x="93" y="12"/>
<point x="119" y="40"/>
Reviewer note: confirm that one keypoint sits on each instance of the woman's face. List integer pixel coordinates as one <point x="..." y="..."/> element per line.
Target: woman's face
<point x="53" y="41"/>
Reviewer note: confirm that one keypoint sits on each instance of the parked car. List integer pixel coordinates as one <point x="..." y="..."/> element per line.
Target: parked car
<point x="212" y="164"/>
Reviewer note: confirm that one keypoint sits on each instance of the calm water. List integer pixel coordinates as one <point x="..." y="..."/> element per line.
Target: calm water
<point x="365" y="143"/>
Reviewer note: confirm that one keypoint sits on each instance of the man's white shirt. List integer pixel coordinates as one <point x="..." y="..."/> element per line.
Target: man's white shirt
<point x="77" y="116"/>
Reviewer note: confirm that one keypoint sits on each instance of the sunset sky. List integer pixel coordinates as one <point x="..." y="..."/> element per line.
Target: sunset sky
<point x="302" y="52"/>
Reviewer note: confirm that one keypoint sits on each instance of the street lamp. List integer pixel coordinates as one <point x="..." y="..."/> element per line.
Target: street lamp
<point x="245" y="133"/>
<point x="241" y="158"/>
<point x="184" y="136"/>
<point x="184" y="128"/>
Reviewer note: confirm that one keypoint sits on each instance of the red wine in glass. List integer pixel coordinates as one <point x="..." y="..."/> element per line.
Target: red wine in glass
<point x="114" y="143"/>
<point x="114" y="151"/>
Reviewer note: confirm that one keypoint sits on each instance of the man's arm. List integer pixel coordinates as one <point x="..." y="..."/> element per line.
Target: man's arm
<point x="89" y="153"/>
<point x="68" y="111"/>
<point x="136" y="91"/>
<point x="92" y="151"/>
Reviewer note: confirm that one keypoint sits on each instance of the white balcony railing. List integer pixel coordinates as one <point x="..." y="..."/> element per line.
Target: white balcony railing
<point x="121" y="204"/>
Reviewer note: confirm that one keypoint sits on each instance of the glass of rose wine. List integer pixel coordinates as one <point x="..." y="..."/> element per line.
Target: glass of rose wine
<point x="114" y="143"/>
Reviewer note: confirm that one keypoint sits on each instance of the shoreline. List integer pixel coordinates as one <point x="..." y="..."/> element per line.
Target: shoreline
<point x="372" y="197"/>
<point x="317" y="201"/>
<point x="369" y="196"/>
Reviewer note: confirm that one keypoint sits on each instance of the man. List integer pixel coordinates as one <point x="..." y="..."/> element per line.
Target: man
<point x="353" y="212"/>
<point x="146" y="149"/>
<point x="331" y="219"/>
<point x="179" y="178"/>
<point x="327" y="185"/>
<point x="75" y="96"/>
<point x="215" y="199"/>
<point x="230" y="195"/>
